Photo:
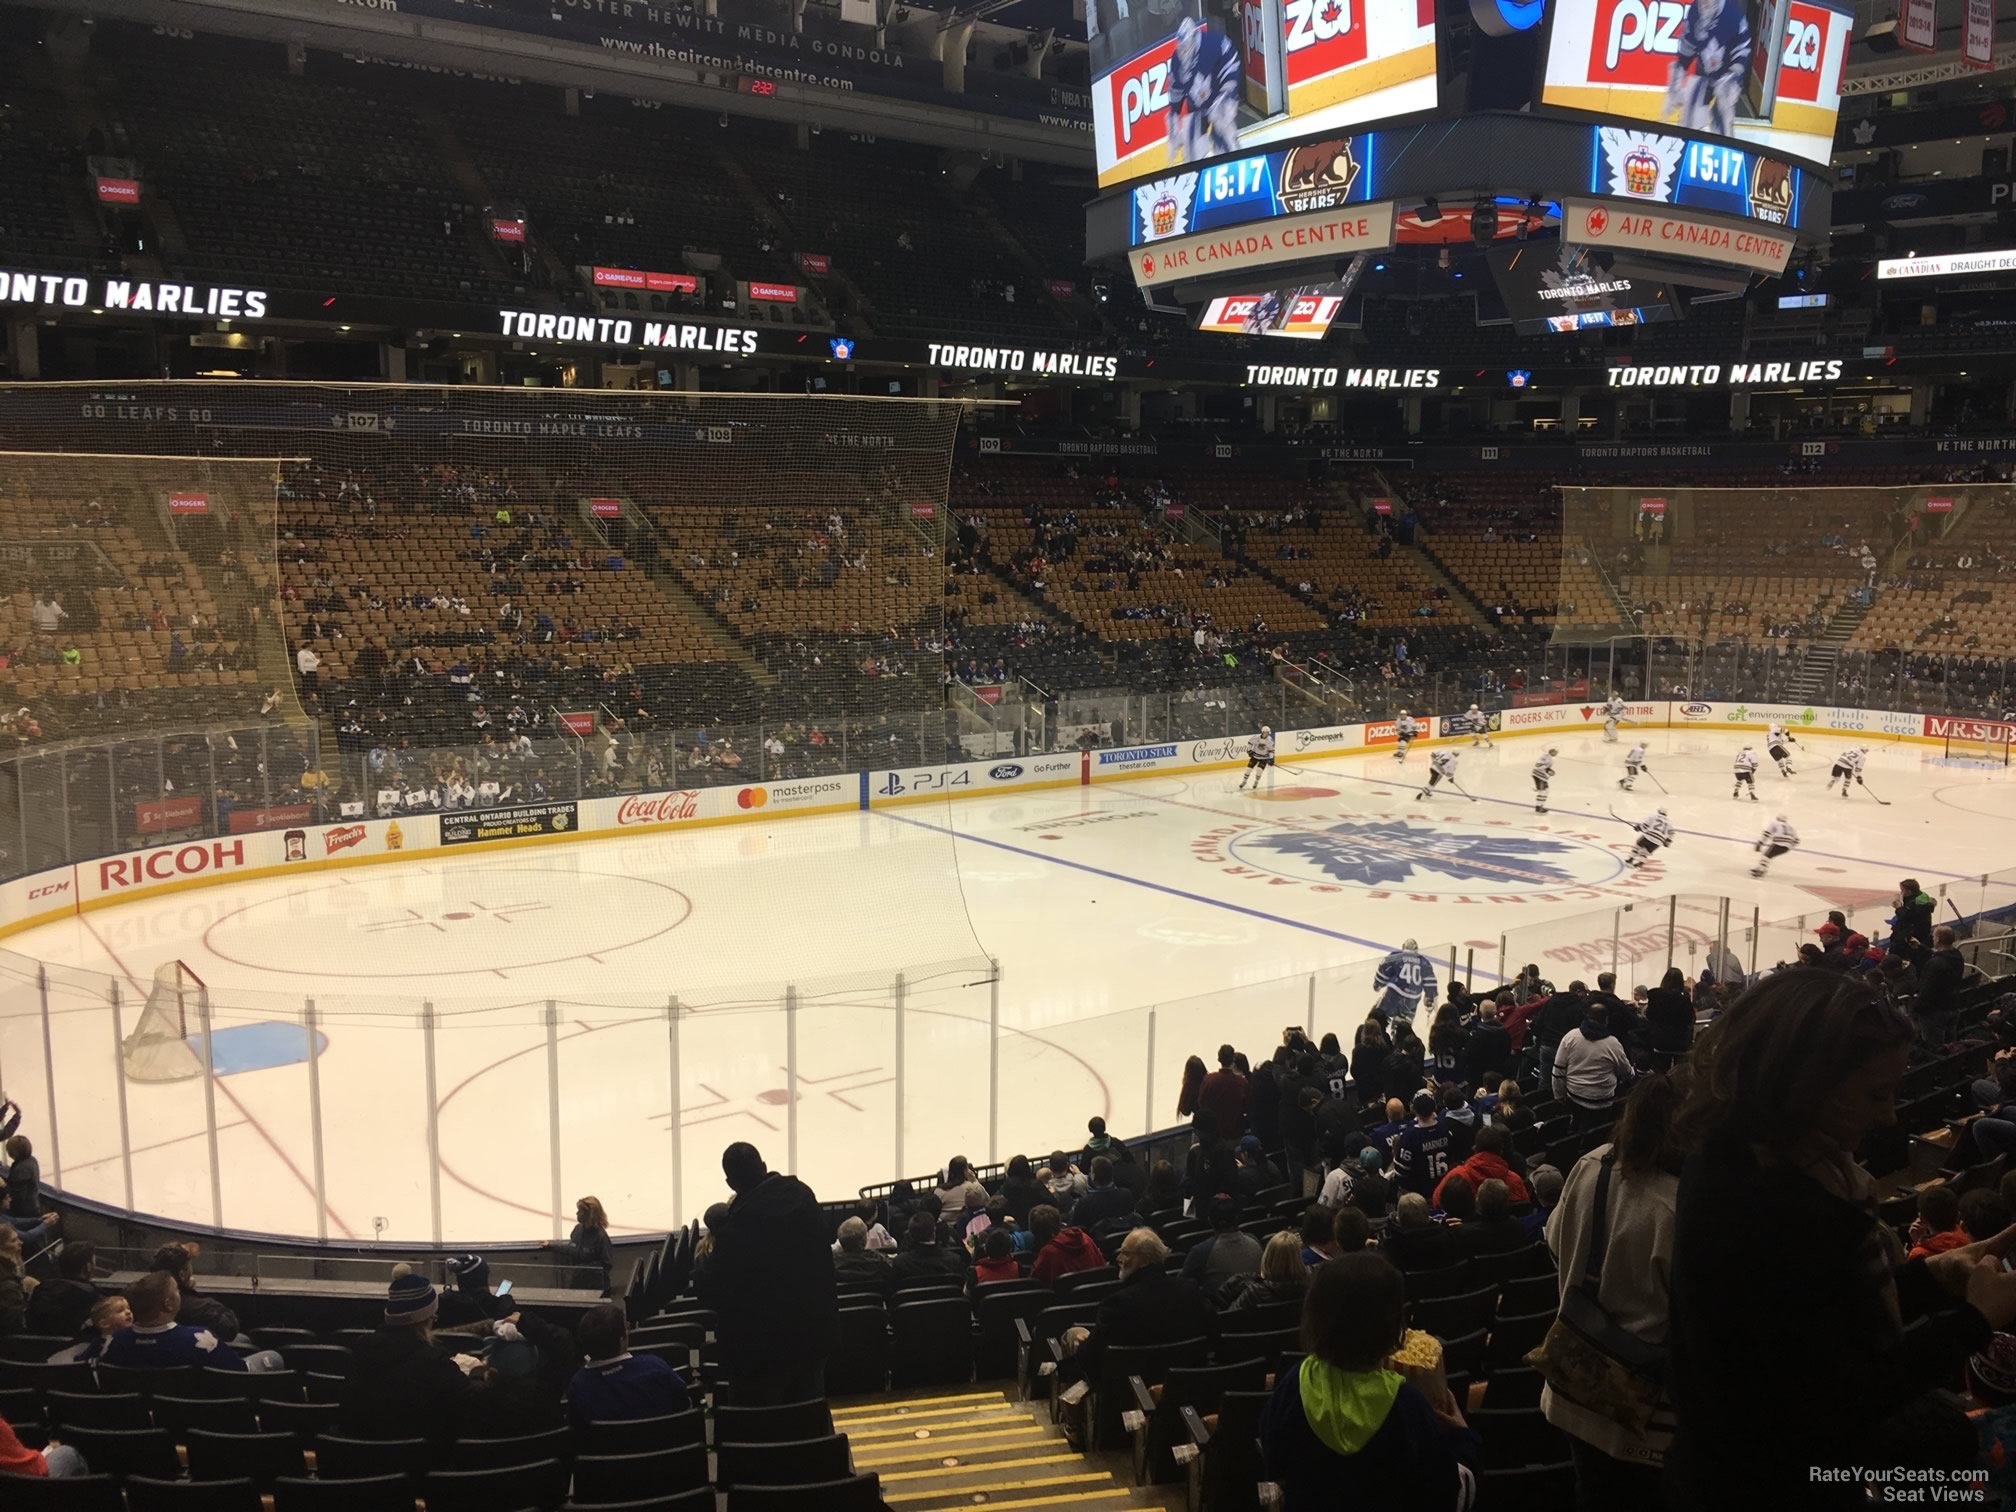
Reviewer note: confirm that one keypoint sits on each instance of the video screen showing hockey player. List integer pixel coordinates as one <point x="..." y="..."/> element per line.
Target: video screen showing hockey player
<point x="1714" y="79"/>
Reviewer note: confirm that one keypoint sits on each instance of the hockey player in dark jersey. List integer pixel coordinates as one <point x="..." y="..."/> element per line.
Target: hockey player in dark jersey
<point x="1203" y="113"/>
<point x="1266" y="314"/>
<point x="1705" y="82"/>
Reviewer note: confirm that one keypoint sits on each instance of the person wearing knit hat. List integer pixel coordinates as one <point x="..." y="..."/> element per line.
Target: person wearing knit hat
<point x="400" y="1385"/>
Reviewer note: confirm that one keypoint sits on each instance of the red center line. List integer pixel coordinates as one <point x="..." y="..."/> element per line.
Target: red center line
<point x="244" y="1113"/>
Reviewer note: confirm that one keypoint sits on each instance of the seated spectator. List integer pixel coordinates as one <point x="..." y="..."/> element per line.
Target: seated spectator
<point x="1163" y="1192"/>
<point x="1318" y="1234"/>
<point x="13" y="1284"/>
<point x="1511" y="1113"/>
<point x="1669" y="1014"/>
<point x="959" y="1190"/>
<point x="1064" y="1181"/>
<point x="922" y="1256"/>
<point x="1936" y="1229"/>
<point x="61" y="1306"/>
<point x="1059" y="1250"/>
<point x="400" y="1384"/>
<point x="1283" y="1275"/>
<point x="197" y="1310"/>
<point x="35" y="1232"/>
<point x="1022" y="1190"/>
<point x="1343" y="1430"/>
<point x="1591" y="1067"/>
<point x="1106" y="1202"/>
<point x="54" y="1461"/>
<point x="1341" y="1184"/>
<point x="156" y="1341"/>
<point x="853" y="1261"/>
<point x="1424" y="1147"/>
<point x="108" y="1317"/>
<point x="996" y="1261"/>
<point x="1350" y="1232"/>
<point x="1486" y="1163"/>
<point x="616" y="1386"/>
<point x="1493" y="1230"/>
<point x="1228" y="1254"/>
<point x="1546" y="1182"/>
<point x="1416" y="1242"/>
<point x="1255" y="1172"/>
<point x="1149" y="1306"/>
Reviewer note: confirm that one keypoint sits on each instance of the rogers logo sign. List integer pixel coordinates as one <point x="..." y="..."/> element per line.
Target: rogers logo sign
<point x="1635" y="41"/>
<point x="170" y="862"/>
<point x="659" y="808"/>
<point x="1514" y="718"/>
<point x="343" y="837"/>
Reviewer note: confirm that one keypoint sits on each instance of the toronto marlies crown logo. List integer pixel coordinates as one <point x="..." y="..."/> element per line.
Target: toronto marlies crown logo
<point x="1392" y="851"/>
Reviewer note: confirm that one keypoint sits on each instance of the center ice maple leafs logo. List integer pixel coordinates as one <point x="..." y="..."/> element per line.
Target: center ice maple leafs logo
<point x="1392" y="851"/>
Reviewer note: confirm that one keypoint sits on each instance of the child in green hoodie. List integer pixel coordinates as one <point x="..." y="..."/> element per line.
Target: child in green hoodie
<point x="1344" y="1431"/>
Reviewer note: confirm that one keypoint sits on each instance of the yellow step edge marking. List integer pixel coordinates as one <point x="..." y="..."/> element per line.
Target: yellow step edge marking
<point x="983" y="1466"/>
<point x="937" y="1448"/>
<point x="971" y="1396"/>
<point x="1069" y="1499"/>
<point x="936" y="1430"/>
<point x="1092" y="1478"/>
<point x="983" y="1412"/>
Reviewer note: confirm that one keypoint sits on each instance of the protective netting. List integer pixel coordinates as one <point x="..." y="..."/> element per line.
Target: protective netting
<point x="1898" y="595"/>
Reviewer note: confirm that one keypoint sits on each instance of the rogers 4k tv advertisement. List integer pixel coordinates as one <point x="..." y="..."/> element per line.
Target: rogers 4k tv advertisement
<point x="1185" y="81"/>
<point x="1763" y="72"/>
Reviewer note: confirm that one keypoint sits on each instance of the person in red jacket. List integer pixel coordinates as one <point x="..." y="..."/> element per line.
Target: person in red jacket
<point x="16" y="1458"/>
<point x="1223" y="1095"/>
<point x="1060" y="1250"/>
<point x="1486" y="1163"/>
<point x="1519" y="1020"/>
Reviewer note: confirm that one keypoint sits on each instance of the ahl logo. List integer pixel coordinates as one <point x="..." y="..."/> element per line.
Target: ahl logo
<point x="1697" y="711"/>
<point x="1006" y="772"/>
<point x="1499" y="863"/>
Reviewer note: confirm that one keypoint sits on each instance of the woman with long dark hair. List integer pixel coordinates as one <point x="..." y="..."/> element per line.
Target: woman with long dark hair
<point x="1369" y="1052"/>
<point x="1802" y="1341"/>
<point x="1669" y="1014"/>
<point x="1193" y="1078"/>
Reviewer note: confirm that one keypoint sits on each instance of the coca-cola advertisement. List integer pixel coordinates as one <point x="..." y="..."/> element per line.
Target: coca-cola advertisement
<point x="658" y="808"/>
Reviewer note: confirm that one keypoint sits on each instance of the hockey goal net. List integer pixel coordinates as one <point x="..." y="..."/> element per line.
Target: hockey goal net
<point x="1991" y="749"/>
<point x="158" y="1049"/>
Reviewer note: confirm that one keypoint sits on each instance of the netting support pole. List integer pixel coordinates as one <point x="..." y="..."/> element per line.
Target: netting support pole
<point x="1469" y="981"/>
<point x="433" y="1121"/>
<point x="791" y="1078"/>
<point x="1311" y="1026"/>
<point x="112" y="795"/>
<point x="63" y="785"/>
<point x="1148" y="1106"/>
<point x="312" y="1023"/>
<point x="1756" y="928"/>
<point x="203" y="1021"/>
<point x="994" y="1061"/>
<point x="1616" y="929"/>
<point x="1672" y="926"/>
<point x="902" y="990"/>
<point x="1504" y="976"/>
<point x="119" y="1080"/>
<point x="49" y="1073"/>
<point x="1452" y="965"/>
<point x="672" y="1011"/>
<point x="553" y="1108"/>
<point x="1722" y="951"/>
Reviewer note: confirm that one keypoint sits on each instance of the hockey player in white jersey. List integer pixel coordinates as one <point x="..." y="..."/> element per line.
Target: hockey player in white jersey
<point x="1778" y="838"/>
<point x="1634" y="764"/>
<point x="1746" y="773"/>
<point x="1613" y="711"/>
<point x="1406" y="729"/>
<point x="1543" y="778"/>
<point x="1778" y="746"/>
<point x="1655" y="831"/>
<point x="1259" y="757"/>
<point x="1847" y="766"/>
<point x="1441" y="769"/>
<point x="1480" y="726"/>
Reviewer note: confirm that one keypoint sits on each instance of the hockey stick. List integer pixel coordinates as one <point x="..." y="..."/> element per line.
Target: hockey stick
<point x="1656" y="782"/>
<point x="1461" y="789"/>
<point x="1866" y="788"/>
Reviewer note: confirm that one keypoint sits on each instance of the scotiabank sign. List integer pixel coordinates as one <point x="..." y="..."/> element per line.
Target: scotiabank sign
<point x="171" y="862"/>
<point x="279" y="816"/>
<point x="652" y="283"/>
<point x="155" y="816"/>
<point x="658" y="808"/>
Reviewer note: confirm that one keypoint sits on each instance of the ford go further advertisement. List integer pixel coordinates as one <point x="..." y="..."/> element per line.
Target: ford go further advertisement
<point x="1176" y="84"/>
<point x="1767" y="72"/>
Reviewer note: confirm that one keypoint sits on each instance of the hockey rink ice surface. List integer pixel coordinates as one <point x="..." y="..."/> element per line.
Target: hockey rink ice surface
<point x="1135" y="923"/>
